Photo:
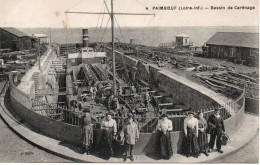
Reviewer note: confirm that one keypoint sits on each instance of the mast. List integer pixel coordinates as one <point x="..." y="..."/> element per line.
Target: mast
<point x="112" y="31"/>
<point x="113" y="51"/>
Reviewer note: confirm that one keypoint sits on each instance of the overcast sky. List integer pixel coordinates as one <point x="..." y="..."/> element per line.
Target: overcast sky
<point x="50" y="13"/>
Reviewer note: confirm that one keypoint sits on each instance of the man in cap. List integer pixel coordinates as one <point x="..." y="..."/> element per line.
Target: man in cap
<point x="131" y="136"/>
<point x="109" y="127"/>
<point x="216" y="129"/>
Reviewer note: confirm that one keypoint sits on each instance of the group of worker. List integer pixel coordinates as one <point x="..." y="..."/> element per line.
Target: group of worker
<point x="195" y="135"/>
<point x="126" y="137"/>
<point x="196" y="130"/>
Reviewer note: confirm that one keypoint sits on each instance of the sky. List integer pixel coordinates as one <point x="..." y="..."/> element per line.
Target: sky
<point x="50" y="13"/>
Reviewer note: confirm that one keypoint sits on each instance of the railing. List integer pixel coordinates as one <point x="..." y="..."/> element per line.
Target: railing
<point x="5" y="88"/>
<point x="146" y="124"/>
<point x="56" y="112"/>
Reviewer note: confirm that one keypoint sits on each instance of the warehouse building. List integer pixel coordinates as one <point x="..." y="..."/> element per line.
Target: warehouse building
<point x="238" y="47"/>
<point x="14" y="39"/>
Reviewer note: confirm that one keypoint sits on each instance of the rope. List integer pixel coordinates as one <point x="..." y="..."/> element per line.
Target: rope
<point x="120" y="30"/>
<point x="105" y="29"/>
<point x="68" y="25"/>
<point x="102" y="22"/>
<point x="97" y="25"/>
<point x="75" y="5"/>
<point x="118" y="4"/>
<point x="66" y="33"/>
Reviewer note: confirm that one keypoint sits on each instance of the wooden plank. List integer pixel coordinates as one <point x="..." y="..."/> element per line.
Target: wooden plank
<point x="170" y="110"/>
<point x="165" y="104"/>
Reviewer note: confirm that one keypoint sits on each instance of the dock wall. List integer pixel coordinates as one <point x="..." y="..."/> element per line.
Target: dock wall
<point x="180" y="90"/>
<point x="146" y="144"/>
<point x="22" y="105"/>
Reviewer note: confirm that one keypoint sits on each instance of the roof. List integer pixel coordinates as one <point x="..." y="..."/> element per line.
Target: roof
<point x="40" y="35"/>
<point x="15" y="32"/>
<point x="182" y="35"/>
<point x="93" y="54"/>
<point x="86" y="55"/>
<point x="74" y="55"/>
<point x="237" y="39"/>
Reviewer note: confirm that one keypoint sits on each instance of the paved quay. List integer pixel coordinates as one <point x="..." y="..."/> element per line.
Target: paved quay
<point x="248" y="154"/>
<point x="247" y="131"/>
<point x="14" y="149"/>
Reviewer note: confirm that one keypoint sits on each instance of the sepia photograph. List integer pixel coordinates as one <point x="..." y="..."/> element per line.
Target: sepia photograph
<point x="129" y="81"/>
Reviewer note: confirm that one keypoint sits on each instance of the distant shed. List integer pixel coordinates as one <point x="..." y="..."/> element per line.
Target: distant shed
<point x="182" y="40"/>
<point x="14" y="39"/>
<point x="43" y="37"/>
<point x="236" y="46"/>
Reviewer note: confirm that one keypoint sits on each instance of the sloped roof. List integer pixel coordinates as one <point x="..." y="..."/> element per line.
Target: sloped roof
<point x="237" y="39"/>
<point x="15" y="32"/>
<point x="86" y="55"/>
<point x="40" y="35"/>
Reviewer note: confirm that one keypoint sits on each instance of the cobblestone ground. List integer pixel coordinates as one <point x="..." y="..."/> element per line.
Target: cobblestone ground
<point x="249" y="154"/>
<point x="15" y="149"/>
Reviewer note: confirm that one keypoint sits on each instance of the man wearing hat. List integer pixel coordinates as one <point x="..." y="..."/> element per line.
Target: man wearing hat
<point x="216" y="129"/>
<point x="109" y="127"/>
<point x="131" y="136"/>
<point x="87" y="129"/>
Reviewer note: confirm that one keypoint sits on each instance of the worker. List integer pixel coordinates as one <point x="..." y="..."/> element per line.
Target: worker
<point x="147" y="99"/>
<point x="110" y="100"/>
<point x="131" y="135"/>
<point x="87" y="129"/>
<point x="133" y="90"/>
<point x="109" y="127"/>
<point x="120" y="90"/>
<point x="91" y="90"/>
<point x="94" y="92"/>
<point x="115" y="104"/>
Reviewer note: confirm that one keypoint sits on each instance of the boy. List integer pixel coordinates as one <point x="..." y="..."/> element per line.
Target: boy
<point x="131" y="136"/>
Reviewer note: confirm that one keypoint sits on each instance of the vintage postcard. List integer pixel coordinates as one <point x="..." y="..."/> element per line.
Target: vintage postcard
<point x="129" y="81"/>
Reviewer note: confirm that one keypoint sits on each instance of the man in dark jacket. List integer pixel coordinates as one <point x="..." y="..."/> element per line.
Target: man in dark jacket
<point x="216" y="129"/>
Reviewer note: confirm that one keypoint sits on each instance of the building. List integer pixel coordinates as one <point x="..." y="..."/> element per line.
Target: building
<point x="43" y="38"/>
<point x="132" y="41"/>
<point x="182" y="40"/>
<point x="167" y="45"/>
<point x="238" y="47"/>
<point x="14" y="39"/>
<point x="86" y="56"/>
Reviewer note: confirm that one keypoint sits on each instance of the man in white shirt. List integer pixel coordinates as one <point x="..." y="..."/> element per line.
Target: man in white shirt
<point x="109" y="128"/>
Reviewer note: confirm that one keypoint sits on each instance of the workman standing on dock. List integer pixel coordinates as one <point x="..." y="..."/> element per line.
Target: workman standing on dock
<point x="87" y="129"/>
<point x="131" y="136"/>
<point x="109" y="127"/>
<point x="216" y="129"/>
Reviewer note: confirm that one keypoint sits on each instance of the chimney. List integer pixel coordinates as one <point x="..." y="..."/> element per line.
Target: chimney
<point x="85" y="38"/>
